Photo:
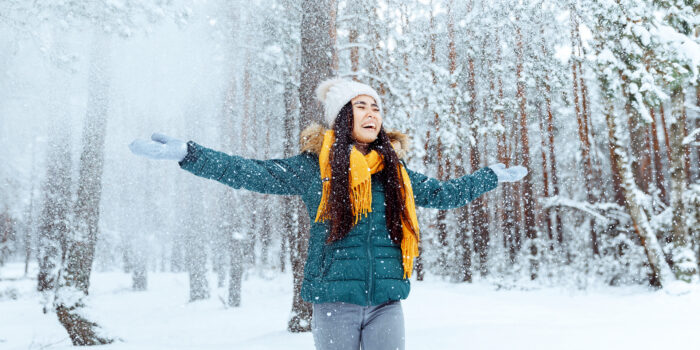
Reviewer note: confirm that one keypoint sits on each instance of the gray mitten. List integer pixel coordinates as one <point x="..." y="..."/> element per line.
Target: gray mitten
<point x="160" y="147"/>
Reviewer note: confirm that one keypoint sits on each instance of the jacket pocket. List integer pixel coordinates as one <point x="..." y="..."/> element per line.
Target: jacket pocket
<point x="344" y="264"/>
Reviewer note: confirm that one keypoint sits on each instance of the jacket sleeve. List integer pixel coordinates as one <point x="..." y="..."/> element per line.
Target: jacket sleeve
<point x="275" y="176"/>
<point x="433" y="193"/>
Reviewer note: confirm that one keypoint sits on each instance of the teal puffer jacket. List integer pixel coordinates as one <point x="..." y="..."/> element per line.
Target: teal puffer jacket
<point x="363" y="268"/>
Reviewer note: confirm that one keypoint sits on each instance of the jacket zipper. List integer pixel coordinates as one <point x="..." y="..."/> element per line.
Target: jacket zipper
<point x="370" y="284"/>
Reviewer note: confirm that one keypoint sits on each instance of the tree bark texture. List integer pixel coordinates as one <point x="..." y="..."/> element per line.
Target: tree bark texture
<point x="236" y="269"/>
<point x="291" y="107"/>
<point x="74" y="276"/>
<point x="660" y="272"/>
<point x="581" y="109"/>
<point x="684" y="264"/>
<point x="195" y="254"/>
<point x="478" y="217"/>
<point x="300" y="316"/>
<point x="53" y="222"/>
<point x="656" y="153"/>
<point x="317" y="52"/>
<point x="528" y="201"/>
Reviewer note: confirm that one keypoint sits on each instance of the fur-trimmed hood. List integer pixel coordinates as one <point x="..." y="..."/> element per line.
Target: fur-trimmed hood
<point x="311" y="140"/>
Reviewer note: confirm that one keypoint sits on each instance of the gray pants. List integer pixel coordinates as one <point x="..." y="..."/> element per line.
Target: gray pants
<point x="343" y="326"/>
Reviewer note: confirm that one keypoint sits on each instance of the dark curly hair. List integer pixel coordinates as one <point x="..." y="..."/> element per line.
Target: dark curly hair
<point x="340" y="206"/>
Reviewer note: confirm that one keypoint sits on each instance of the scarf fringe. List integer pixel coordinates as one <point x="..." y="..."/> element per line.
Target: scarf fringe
<point x="361" y="200"/>
<point x="409" y="249"/>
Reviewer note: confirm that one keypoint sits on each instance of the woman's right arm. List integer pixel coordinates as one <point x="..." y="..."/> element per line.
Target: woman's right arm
<point x="288" y="176"/>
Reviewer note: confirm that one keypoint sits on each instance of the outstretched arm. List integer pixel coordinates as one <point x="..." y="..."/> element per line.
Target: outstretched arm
<point x="286" y="176"/>
<point x="275" y="176"/>
<point x="433" y="193"/>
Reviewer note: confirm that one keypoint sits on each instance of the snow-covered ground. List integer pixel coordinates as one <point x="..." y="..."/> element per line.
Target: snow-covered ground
<point x="439" y="315"/>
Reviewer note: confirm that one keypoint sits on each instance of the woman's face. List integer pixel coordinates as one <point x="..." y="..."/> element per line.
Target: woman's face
<point x="366" y="119"/>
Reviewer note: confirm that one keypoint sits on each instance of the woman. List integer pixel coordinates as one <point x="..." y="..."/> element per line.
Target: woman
<point x="361" y="199"/>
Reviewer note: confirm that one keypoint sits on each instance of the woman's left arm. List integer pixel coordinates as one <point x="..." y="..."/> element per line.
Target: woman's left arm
<point x="433" y="193"/>
<point x="287" y="176"/>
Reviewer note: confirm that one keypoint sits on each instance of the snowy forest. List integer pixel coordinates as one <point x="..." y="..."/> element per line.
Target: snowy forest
<point x="599" y="100"/>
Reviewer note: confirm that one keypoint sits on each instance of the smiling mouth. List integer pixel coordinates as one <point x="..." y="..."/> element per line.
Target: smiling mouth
<point x="370" y="126"/>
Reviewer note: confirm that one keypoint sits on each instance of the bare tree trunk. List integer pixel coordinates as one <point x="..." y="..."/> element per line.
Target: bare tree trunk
<point x="656" y="153"/>
<point x="549" y="164"/>
<point x="664" y="128"/>
<point x="695" y="229"/>
<point x="333" y="32"/>
<point x="247" y="138"/>
<point x="31" y="231"/>
<point x="231" y="227"/>
<point x="136" y="248"/>
<point x="619" y="195"/>
<point x="443" y="165"/>
<point x="353" y="35"/>
<point x="528" y="202"/>
<point x="660" y="272"/>
<point x="418" y="264"/>
<point x="553" y="163"/>
<point x="267" y="203"/>
<point x="464" y="252"/>
<point x="139" y="276"/>
<point x="218" y="258"/>
<point x="695" y="172"/>
<point x="477" y="209"/>
<point x="440" y="159"/>
<point x="316" y="57"/>
<point x="639" y="158"/>
<point x="375" y="54"/>
<point x="300" y="318"/>
<point x="684" y="264"/>
<point x="291" y="102"/>
<point x="196" y="257"/>
<point x="7" y="235"/>
<point x="478" y="218"/>
<point x="317" y="52"/>
<point x="510" y="197"/>
<point x="74" y="276"/>
<point x="235" y="268"/>
<point x="545" y="181"/>
<point x="225" y="230"/>
<point x="581" y="118"/>
<point x="53" y="222"/>
<point x="511" y="207"/>
<point x="195" y="240"/>
<point x="234" y="238"/>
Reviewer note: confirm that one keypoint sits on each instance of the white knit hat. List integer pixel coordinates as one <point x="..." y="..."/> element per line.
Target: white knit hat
<point x="336" y="92"/>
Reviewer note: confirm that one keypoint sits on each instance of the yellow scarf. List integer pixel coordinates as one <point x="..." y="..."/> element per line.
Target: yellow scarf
<point x="361" y="169"/>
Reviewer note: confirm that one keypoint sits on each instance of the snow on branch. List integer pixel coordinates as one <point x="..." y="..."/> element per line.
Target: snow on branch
<point x="688" y="140"/>
<point x="596" y="210"/>
<point x="353" y="45"/>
